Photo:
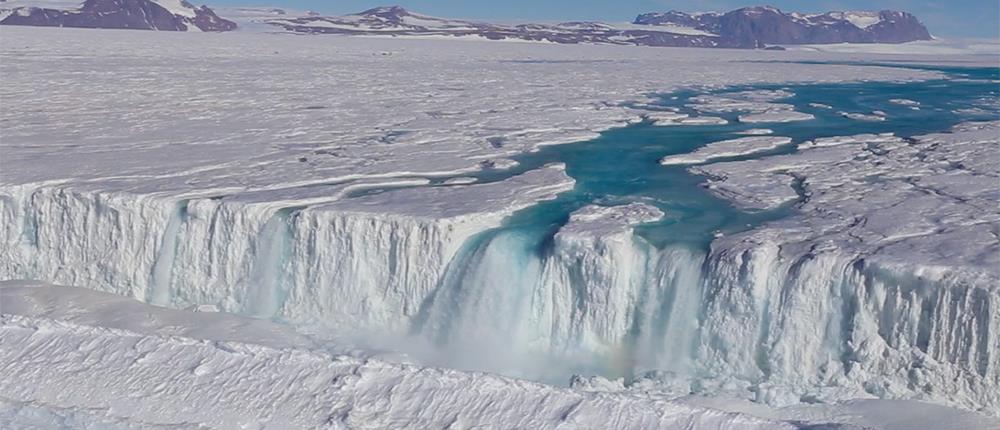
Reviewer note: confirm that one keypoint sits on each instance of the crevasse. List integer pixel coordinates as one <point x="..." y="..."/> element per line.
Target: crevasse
<point x="748" y="316"/>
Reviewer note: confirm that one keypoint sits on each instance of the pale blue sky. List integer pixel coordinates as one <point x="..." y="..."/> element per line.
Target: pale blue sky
<point x="955" y="18"/>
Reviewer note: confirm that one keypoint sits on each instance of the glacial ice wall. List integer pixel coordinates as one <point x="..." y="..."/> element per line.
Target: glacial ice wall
<point x="820" y="323"/>
<point x="353" y="267"/>
<point x="818" y="307"/>
<point x="753" y="318"/>
<point x="887" y="280"/>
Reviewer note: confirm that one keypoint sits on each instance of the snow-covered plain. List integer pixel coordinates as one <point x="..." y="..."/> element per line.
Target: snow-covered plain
<point x="939" y="46"/>
<point x="295" y="178"/>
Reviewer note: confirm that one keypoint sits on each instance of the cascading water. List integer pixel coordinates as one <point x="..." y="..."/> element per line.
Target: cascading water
<point x="162" y="276"/>
<point x="269" y="271"/>
<point x="535" y="298"/>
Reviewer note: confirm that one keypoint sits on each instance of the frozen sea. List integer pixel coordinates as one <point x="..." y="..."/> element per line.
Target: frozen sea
<point x="755" y="239"/>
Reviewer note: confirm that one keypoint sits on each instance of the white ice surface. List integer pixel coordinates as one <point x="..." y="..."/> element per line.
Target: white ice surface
<point x="756" y="106"/>
<point x="664" y="119"/>
<point x="776" y="116"/>
<point x="939" y="46"/>
<point x="757" y="132"/>
<point x="856" y="139"/>
<point x="603" y="221"/>
<point x="728" y="148"/>
<point x="873" y="117"/>
<point x="351" y="107"/>
<point x="745" y="101"/>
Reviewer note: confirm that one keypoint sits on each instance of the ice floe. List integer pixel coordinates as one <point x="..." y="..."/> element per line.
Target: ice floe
<point x="757" y="132"/>
<point x="776" y="116"/>
<point x="874" y="116"/>
<point x="728" y="148"/>
<point x="674" y="118"/>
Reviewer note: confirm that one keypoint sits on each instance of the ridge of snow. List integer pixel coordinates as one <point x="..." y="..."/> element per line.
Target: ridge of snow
<point x="178" y="7"/>
<point x="860" y="19"/>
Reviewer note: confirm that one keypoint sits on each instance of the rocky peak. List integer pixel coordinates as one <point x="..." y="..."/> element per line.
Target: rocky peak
<point x="162" y="15"/>
<point x="387" y="12"/>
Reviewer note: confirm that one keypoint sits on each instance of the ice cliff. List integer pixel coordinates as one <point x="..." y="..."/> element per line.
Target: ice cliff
<point x="838" y="302"/>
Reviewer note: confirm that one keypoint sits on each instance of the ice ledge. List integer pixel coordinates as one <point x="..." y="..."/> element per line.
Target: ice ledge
<point x="599" y="221"/>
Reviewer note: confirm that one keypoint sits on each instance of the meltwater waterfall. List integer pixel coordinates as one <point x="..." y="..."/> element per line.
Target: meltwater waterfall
<point x="595" y="302"/>
<point x="634" y="272"/>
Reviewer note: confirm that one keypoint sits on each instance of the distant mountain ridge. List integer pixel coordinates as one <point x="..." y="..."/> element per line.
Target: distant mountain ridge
<point x="397" y="21"/>
<point x="765" y="25"/>
<point x="162" y="15"/>
<point x="751" y="27"/>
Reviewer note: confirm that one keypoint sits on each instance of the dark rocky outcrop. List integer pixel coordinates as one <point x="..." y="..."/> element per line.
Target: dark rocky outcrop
<point x="121" y="14"/>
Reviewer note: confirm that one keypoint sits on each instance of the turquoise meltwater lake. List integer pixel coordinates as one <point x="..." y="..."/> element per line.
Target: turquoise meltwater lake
<point x="622" y="165"/>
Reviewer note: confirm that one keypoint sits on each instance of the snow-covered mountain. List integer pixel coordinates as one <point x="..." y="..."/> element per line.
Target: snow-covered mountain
<point x="752" y="27"/>
<point x="756" y="26"/>
<point x="397" y="21"/>
<point x="164" y="15"/>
